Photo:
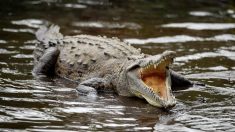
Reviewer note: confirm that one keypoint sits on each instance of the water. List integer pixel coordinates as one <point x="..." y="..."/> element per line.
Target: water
<point x="201" y="32"/>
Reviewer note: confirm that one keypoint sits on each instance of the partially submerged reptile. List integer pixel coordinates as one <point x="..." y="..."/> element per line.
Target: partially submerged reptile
<point x="107" y="63"/>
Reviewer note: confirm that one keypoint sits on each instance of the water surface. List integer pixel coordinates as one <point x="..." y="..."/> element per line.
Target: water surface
<point x="201" y="32"/>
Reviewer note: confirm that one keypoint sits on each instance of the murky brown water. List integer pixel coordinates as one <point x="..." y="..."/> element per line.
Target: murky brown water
<point x="202" y="32"/>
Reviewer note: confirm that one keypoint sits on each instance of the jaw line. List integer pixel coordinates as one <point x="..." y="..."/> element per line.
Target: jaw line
<point x="152" y="98"/>
<point x="143" y="91"/>
<point x="150" y="101"/>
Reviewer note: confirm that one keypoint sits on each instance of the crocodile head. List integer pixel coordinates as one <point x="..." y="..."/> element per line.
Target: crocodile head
<point x="149" y="78"/>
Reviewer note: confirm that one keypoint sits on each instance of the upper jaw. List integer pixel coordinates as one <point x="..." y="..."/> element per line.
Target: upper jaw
<point x="143" y="62"/>
<point x="166" y="57"/>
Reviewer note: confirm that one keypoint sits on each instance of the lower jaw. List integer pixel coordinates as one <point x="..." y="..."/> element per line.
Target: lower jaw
<point x="167" y="105"/>
<point x="157" y="104"/>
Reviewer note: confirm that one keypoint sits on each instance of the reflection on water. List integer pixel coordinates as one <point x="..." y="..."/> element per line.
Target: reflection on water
<point x="224" y="53"/>
<point x="107" y="25"/>
<point x="200" y="13"/>
<point x="201" y="33"/>
<point x="180" y="38"/>
<point x="201" y="26"/>
<point x="34" y="23"/>
<point x="164" y="40"/>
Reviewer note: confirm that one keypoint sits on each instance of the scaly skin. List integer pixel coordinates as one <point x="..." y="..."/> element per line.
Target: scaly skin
<point x="83" y="57"/>
<point x="108" y="63"/>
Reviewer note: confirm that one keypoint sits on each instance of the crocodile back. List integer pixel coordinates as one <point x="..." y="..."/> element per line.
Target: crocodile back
<point x="83" y="54"/>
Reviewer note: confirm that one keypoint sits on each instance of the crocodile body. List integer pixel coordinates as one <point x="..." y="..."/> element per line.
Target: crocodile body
<point x="99" y="62"/>
<point x="84" y="56"/>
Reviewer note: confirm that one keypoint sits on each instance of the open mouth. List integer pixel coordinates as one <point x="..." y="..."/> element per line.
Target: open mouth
<point x="151" y="80"/>
<point x="156" y="78"/>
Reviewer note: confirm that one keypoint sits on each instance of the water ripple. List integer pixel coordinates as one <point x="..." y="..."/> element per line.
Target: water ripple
<point x="200" y="13"/>
<point x="216" y="68"/>
<point x="18" y="30"/>
<point x="180" y="38"/>
<point x="33" y="23"/>
<point x="4" y="51"/>
<point x="213" y="118"/>
<point x="177" y="127"/>
<point x="95" y="2"/>
<point x="13" y="90"/>
<point x="128" y="25"/>
<point x="78" y="6"/>
<point x="28" y="47"/>
<point x="197" y="56"/>
<point x="228" y="75"/>
<point x="165" y="39"/>
<point x="93" y="110"/>
<point x="3" y="42"/>
<point x="5" y="118"/>
<point x="23" y="56"/>
<point x="30" y="114"/>
<point x="223" y="37"/>
<point x="201" y="26"/>
<point x="11" y="71"/>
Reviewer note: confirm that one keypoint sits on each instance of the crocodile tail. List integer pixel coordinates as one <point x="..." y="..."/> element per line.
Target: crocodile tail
<point x="47" y="37"/>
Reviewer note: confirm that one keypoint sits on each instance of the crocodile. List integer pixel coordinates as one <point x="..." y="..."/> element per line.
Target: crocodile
<point x="98" y="63"/>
